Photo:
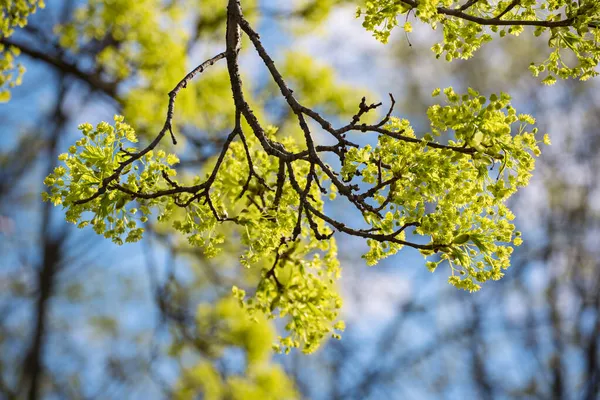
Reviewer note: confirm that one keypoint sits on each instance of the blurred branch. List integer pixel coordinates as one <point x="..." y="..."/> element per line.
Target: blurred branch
<point x="92" y="79"/>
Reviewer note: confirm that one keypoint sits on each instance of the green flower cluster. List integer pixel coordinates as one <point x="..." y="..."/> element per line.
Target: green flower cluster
<point x="573" y="27"/>
<point x="452" y="195"/>
<point x="13" y="13"/>
<point x="89" y="162"/>
<point x="443" y="193"/>
<point x="455" y="199"/>
<point x="304" y="292"/>
<point x="224" y="326"/>
<point x="297" y="276"/>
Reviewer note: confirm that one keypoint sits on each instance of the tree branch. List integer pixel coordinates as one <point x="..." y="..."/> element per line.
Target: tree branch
<point x="92" y="79"/>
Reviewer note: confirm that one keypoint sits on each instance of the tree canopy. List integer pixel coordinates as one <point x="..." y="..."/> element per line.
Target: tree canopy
<point x="442" y="192"/>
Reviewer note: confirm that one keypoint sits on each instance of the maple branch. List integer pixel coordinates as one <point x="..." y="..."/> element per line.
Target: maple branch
<point x="166" y="127"/>
<point x="459" y="13"/>
<point x="236" y="24"/>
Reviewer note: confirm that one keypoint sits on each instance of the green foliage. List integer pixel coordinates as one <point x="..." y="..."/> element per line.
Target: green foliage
<point x="139" y="32"/>
<point x="443" y="192"/>
<point x="13" y="13"/>
<point x="11" y="74"/>
<point x="573" y="28"/>
<point x="303" y="287"/>
<point x="93" y="158"/>
<point x="451" y="197"/>
<point x="456" y="200"/>
<point x="227" y="326"/>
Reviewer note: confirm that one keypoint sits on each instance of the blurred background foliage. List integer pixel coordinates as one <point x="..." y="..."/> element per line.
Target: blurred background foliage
<point x="81" y="318"/>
